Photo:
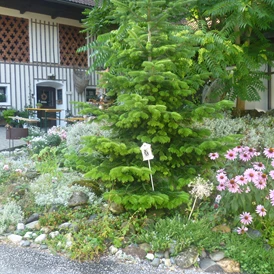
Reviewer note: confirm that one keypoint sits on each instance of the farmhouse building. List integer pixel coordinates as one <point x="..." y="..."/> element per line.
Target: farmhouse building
<point x="38" y="59"/>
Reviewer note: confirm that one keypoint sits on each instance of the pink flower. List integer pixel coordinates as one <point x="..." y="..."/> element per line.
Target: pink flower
<point x="213" y="156"/>
<point x="250" y="174"/>
<point x="259" y="166"/>
<point x="261" y="210"/>
<point x="18" y="170"/>
<point x="221" y="177"/>
<point x="271" y="174"/>
<point x="245" y="156"/>
<point x="260" y="184"/>
<point x="271" y="197"/>
<point x="262" y="176"/>
<point x="222" y="170"/>
<point x="269" y="152"/>
<point x="6" y="167"/>
<point x="232" y="186"/>
<point x="231" y="155"/>
<point x="250" y="150"/>
<point x="242" y="230"/>
<point x="246" y="218"/>
<point x="241" y="180"/>
<point x="221" y="187"/>
<point x="238" y="149"/>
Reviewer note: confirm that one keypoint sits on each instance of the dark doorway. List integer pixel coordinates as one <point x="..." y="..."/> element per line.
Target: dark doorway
<point x="47" y="96"/>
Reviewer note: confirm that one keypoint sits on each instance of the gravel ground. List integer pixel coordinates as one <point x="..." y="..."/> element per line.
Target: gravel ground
<point x="18" y="260"/>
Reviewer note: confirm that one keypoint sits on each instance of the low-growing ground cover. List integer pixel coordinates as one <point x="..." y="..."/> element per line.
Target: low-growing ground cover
<point x="236" y="192"/>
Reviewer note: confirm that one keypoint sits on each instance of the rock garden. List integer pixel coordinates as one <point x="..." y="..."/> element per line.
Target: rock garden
<point x="48" y="202"/>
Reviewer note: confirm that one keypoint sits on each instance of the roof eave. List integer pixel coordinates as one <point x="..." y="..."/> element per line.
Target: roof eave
<point x="69" y="3"/>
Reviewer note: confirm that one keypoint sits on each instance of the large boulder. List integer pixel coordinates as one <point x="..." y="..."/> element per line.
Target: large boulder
<point x="229" y="265"/>
<point x="78" y="198"/>
<point x="187" y="258"/>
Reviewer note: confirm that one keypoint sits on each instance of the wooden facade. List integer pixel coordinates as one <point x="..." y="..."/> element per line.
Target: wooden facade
<point x="38" y="51"/>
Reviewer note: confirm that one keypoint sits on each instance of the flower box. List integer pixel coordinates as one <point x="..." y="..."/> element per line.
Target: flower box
<point x="14" y="133"/>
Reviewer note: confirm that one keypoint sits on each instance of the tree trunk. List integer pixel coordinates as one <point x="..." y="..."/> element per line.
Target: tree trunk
<point x="240" y="105"/>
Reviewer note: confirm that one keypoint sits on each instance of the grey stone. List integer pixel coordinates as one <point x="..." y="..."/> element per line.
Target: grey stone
<point x="135" y="251"/>
<point x="28" y="235"/>
<point x="159" y="255"/>
<point x="40" y="238"/>
<point x="20" y="226"/>
<point x="210" y="266"/>
<point x="217" y="256"/>
<point x="25" y="243"/>
<point x="145" y="246"/>
<point x="78" y="198"/>
<point x="172" y="248"/>
<point x="116" y="208"/>
<point x="54" y="208"/>
<point x="203" y="254"/>
<point x="15" y="238"/>
<point x="53" y="234"/>
<point x="75" y="228"/>
<point x="187" y="258"/>
<point x="112" y="249"/>
<point x="43" y="247"/>
<point x="166" y="254"/>
<point x="45" y="230"/>
<point x="150" y="256"/>
<point x="32" y="218"/>
<point x="156" y="262"/>
<point x="253" y="233"/>
<point x="229" y="266"/>
<point x="32" y="225"/>
<point x="92" y="217"/>
<point x="64" y="226"/>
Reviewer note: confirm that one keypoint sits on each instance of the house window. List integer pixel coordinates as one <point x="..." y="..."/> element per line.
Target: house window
<point x="3" y="95"/>
<point x="91" y="94"/>
<point x="59" y="96"/>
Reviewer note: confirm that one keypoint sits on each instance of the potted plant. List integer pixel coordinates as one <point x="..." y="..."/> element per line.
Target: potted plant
<point x="39" y="105"/>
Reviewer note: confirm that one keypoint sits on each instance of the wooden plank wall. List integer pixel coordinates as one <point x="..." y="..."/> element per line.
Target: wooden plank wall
<point x="44" y="42"/>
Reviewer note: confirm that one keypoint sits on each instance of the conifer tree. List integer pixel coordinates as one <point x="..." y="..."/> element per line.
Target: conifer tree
<point x="152" y="77"/>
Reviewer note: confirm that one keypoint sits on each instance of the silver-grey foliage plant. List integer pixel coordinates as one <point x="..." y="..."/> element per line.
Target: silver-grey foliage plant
<point x="255" y="132"/>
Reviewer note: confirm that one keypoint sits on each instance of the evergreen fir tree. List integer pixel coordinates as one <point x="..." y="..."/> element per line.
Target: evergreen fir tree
<point x="152" y="77"/>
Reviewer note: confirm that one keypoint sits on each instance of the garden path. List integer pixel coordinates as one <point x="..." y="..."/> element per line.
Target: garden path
<point x="21" y="260"/>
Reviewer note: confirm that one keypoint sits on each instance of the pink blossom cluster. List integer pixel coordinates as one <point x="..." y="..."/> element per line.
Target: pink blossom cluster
<point x="8" y="168"/>
<point x="257" y="174"/>
<point x="58" y="131"/>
